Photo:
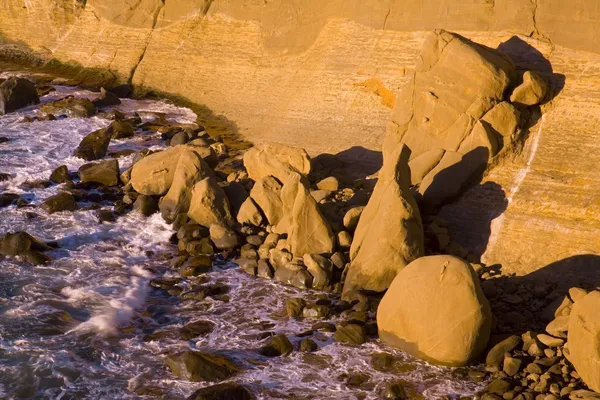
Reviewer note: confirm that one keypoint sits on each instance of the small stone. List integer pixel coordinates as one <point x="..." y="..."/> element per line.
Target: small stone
<point x="395" y="391"/>
<point x="498" y="386"/>
<point x="511" y="366"/>
<point x="577" y="294"/>
<point x="146" y="205"/>
<point x="558" y="326"/>
<point x="350" y="334"/>
<point x="60" y="174"/>
<point x="278" y="345"/>
<point x="248" y="265"/>
<point x="195" y="266"/>
<point x="320" y="195"/>
<point x="550" y="341"/>
<point x="344" y="239"/>
<point x="351" y="217"/>
<point x="59" y="202"/>
<point x="196" y="329"/>
<point x="223" y="391"/>
<point x="315" y="311"/>
<point x="264" y="269"/>
<point x="308" y="346"/>
<point x="199" y="367"/>
<point x="223" y="238"/>
<point x="496" y="353"/>
<point x="330" y="183"/>
<point x="294" y="307"/>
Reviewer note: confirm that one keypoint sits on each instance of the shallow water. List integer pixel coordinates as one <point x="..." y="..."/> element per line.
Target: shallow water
<point x="77" y="327"/>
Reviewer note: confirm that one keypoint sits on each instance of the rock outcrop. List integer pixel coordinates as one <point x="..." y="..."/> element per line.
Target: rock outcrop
<point x="389" y="234"/>
<point x="436" y="310"/>
<point x="438" y="113"/>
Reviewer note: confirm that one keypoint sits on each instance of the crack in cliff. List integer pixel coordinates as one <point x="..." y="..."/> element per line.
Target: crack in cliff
<point x="154" y="22"/>
<point x="537" y="33"/>
<point x="385" y="20"/>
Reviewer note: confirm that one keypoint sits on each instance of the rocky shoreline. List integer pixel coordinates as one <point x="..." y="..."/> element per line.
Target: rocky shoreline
<point x="303" y="222"/>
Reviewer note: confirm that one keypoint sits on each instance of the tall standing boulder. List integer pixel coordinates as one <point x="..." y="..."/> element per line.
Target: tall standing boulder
<point x="16" y="93"/>
<point x="190" y="169"/>
<point x="456" y="82"/>
<point x="583" y="340"/>
<point x="94" y="145"/>
<point x="307" y="229"/>
<point x="389" y="234"/>
<point x="209" y="204"/>
<point x="436" y="310"/>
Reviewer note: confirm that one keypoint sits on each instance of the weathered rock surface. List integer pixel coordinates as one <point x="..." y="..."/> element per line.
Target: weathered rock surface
<point x="584" y="339"/>
<point x="199" y="367"/>
<point x="436" y="310"/>
<point x="105" y="172"/>
<point x="16" y="93"/>
<point x="94" y="145"/>
<point x="75" y="107"/>
<point x="273" y="159"/>
<point x="440" y="108"/>
<point x="209" y="204"/>
<point x="59" y="202"/>
<point x="389" y="234"/>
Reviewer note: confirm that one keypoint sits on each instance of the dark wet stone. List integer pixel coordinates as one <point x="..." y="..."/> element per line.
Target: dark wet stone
<point x="195" y="329"/>
<point x="308" y="346"/>
<point x="16" y="93"/>
<point x="278" y="345"/>
<point x="315" y="311"/>
<point x="179" y="138"/>
<point x="35" y="257"/>
<point x="8" y="199"/>
<point x="60" y="174"/>
<point x="122" y="130"/>
<point x="395" y="391"/>
<point x="498" y="386"/>
<point x="294" y="306"/>
<point x="4" y="139"/>
<point x="37" y="184"/>
<point x="224" y="391"/>
<point x="106" y="216"/>
<point x="106" y="99"/>
<point x="202" y="246"/>
<point x="196" y="366"/>
<point x="249" y="266"/>
<point x="197" y="294"/>
<point x="196" y="265"/>
<point x="382" y="361"/>
<point x="146" y="205"/>
<point x="164" y="283"/>
<point x="13" y="244"/>
<point x="104" y="172"/>
<point x="324" y="327"/>
<point x="5" y="177"/>
<point x="94" y="145"/>
<point x="350" y="334"/>
<point x="70" y="106"/>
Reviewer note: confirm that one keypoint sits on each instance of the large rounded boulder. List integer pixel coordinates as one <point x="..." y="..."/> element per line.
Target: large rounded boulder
<point x="584" y="339"/>
<point x="436" y="310"/>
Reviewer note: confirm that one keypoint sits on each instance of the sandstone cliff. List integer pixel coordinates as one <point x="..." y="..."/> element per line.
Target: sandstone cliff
<point x="299" y="71"/>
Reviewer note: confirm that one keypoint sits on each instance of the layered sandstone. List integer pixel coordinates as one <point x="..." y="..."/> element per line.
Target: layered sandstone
<point x="323" y="75"/>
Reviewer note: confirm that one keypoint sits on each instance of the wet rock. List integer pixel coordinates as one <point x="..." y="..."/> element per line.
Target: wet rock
<point x="16" y="93"/>
<point x="7" y="199"/>
<point x="196" y="366"/>
<point x="436" y="310"/>
<point x="73" y="107"/>
<point x="202" y="246"/>
<point x="395" y="391"/>
<point x="59" y="202"/>
<point x="498" y="386"/>
<point x="5" y="177"/>
<point x="146" y="205"/>
<point x="224" y="391"/>
<point x="278" y="345"/>
<point x="13" y="244"/>
<point x="350" y="334"/>
<point x="35" y="257"/>
<point x="315" y="311"/>
<point x="106" y="99"/>
<point x="196" y="329"/>
<point x="223" y="238"/>
<point x="308" y="346"/>
<point x="94" y="145"/>
<point x="104" y="172"/>
<point x="294" y="274"/>
<point x="532" y="91"/>
<point x="249" y="266"/>
<point x="122" y="130"/>
<point x="196" y="265"/>
<point x="106" y="216"/>
<point x="60" y="174"/>
<point x="264" y="269"/>
<point x="377" y="256"/>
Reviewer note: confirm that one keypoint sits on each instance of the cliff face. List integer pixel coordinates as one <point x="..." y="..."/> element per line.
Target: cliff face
<point x="323" y="75"/>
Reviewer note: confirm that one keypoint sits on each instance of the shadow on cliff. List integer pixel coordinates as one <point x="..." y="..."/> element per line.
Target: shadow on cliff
<point x="527" y="57"/>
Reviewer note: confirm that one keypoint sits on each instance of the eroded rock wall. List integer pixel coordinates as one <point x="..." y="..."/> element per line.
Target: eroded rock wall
<point x="323" y="75"/>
